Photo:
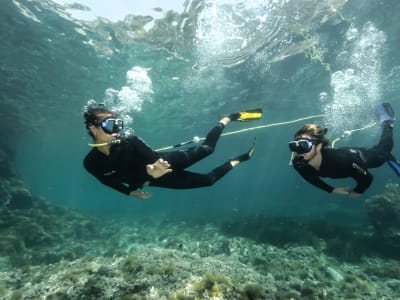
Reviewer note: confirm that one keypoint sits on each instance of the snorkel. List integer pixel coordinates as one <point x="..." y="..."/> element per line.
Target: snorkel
<point x="113" y="142"/>
<point x="119" y="137"/>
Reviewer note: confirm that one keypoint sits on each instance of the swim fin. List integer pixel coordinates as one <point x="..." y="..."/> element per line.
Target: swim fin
<point x="394" y="164"/>
<point x="247" y="115"/>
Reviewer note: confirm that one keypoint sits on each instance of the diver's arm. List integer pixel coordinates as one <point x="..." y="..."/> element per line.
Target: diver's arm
<point x="345" y="191"/>
<point x="319" y="183"/>
<point x="107" y="179"/>
<point x="144" y="151"/>
<point x="114" y="184"/>
<point x="309" y="174"/>
<point x="362" y="177"/>
<point x="155" y="165"/>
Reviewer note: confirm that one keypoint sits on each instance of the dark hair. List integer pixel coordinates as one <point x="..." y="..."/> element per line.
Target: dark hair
<point x="316" y="132"/>
<point x="93" y="116"/>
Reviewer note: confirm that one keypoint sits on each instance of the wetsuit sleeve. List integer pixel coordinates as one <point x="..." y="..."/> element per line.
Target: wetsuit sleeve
<point x="115" y="184"/>
<point x="144" y="151"/>
<point x="310" y="175"/>
<point x="350" y="161"/>
<point x="106" y="179"/>
<point x="362" y="177"/>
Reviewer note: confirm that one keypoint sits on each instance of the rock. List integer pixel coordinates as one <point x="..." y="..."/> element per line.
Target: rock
<point x="384" y="210"/>
<point x="21" y="199"/>
<point x="335" y="275"/>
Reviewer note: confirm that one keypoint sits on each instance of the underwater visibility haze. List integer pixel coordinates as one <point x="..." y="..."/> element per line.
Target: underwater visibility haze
<point x="260" y="232"/>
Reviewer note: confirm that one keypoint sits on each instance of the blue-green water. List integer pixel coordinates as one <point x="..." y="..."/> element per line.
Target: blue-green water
<point x="335" y="60"/>
<point x="51" y="69"/>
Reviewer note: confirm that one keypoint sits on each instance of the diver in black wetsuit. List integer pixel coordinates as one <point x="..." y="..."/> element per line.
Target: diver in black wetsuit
<point x="128" y="164"/>
<point x="314" y="160"/>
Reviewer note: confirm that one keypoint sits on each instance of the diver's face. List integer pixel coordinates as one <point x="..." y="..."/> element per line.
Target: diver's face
<point x="99" y="134"/>
<point x="314" y="149"/>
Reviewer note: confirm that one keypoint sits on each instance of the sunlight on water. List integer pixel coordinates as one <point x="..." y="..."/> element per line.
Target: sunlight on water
<point x="228" y="31"/>
<point x="26" y="12"/>
<point x="132" y="96"/>
<point x="356" y="88"/>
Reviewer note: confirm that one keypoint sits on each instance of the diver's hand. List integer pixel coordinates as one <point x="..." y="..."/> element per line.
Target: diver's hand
<point x="342" y="191"/>
<point x="345" y="191"/>
<point x="140" y="195"/>
<point x="159" y="168"/>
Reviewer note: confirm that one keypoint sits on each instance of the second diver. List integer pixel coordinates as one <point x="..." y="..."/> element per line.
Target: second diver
<point x="315" y="160"/>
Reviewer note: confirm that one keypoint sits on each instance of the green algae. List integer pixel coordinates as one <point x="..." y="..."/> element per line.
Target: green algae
<point x="17" y="295"/>
<point x="162" y="270"/>
<point x="131" y="265"/>
<point x="213" y="284"/>
<point x="252" y="292"/>
<point x="75" y="275"/>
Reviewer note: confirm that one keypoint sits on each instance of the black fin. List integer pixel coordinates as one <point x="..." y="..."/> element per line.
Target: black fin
<point x="247" y="155"/>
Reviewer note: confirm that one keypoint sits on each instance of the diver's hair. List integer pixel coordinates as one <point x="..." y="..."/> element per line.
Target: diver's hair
<point x="92" y="116"/>
<point x="316" y="132"/>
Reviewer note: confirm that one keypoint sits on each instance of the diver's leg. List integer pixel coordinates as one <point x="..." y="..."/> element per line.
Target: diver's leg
<point x="182" y="179"/>
<point x="378" y="154"/>
<point x="186" y="157"/>
<point x="189" y="180"/>
<point x="386" y="141"/>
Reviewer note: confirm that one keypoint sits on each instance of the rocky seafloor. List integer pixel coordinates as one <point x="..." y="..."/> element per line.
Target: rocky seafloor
<point x="50" y="252"/>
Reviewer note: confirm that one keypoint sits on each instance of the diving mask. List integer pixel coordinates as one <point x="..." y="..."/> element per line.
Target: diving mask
<point x="301" y="146"/>
<point x="111" y="125"/>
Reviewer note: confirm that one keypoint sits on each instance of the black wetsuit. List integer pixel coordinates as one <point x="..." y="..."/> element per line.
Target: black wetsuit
<point x="125" y="168"/>
<point x="348" y="162"/>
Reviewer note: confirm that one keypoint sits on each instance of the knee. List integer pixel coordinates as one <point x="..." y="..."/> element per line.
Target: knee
<point x="377" y="161"/>
<point x="211" y="179"/>
<point x="206" y="149"/>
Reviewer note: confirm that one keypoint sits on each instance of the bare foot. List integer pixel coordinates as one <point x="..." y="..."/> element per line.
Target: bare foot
<point x="225" y="120"/>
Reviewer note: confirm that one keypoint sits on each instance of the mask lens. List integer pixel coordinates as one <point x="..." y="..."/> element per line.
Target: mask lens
<point x="300" y="146"/>
<point x="112" y="125"/>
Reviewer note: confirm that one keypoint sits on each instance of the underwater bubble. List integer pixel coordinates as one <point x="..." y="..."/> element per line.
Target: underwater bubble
<point x="139" y="78"/>
<point x="352" y="34"/>
<point x="228" y="32"/>
<point x="342" y="58"/>
<point x="131" y="97"/>
<point x="91" y="102"/>
<point x="349" y="72"/>
<point x="323" y="96"/>
<point x="357" y="87"/>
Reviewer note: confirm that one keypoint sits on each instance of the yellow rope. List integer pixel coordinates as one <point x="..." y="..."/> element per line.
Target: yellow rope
<point x="347" y="133"/>
<point x="252" y="128"/>
<point x="271" y="125"/>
